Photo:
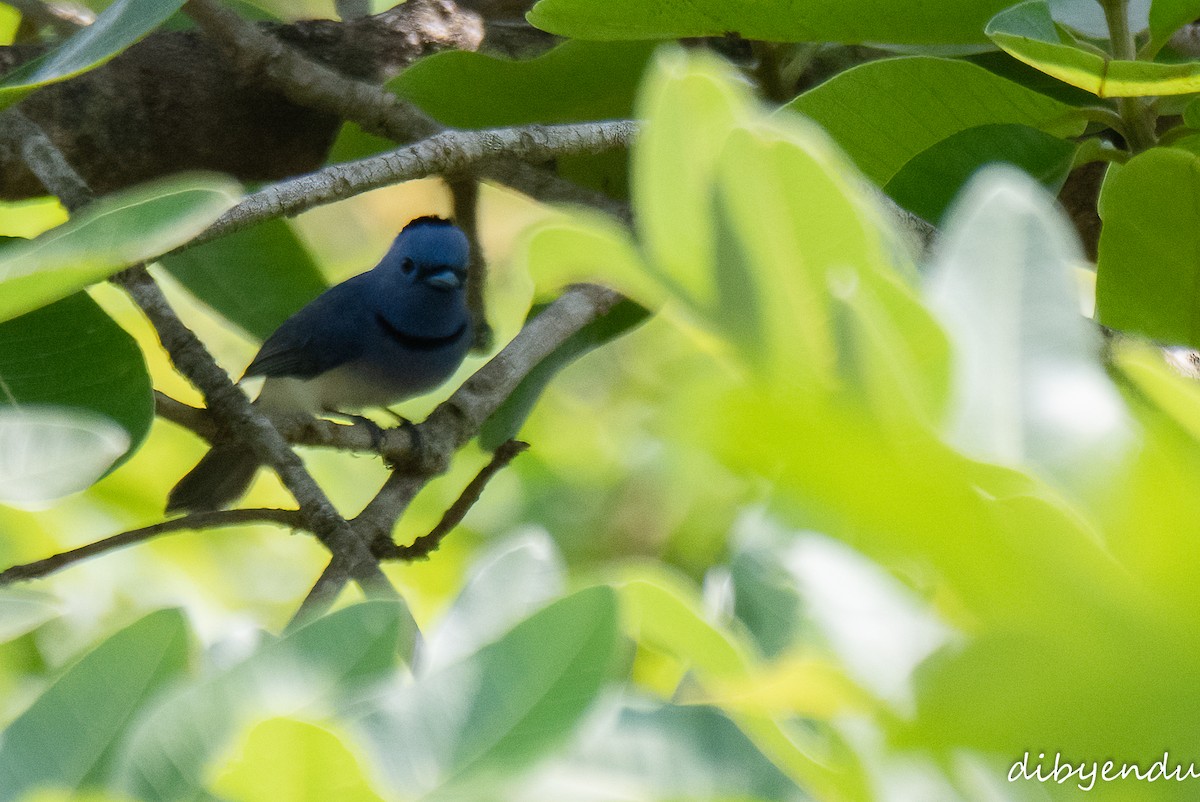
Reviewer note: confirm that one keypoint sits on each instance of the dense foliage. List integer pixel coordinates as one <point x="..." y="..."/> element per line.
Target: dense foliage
<point x="845" y="518"/>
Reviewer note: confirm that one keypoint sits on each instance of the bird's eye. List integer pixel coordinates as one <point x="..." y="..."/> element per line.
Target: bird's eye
<point x="408" y="265"/>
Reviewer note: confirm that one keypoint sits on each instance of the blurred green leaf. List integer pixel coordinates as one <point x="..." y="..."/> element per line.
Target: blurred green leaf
<point x="690" y="106"/>
<point x="284" y="760"/>
<point x="588" y="247"/>
<point x="455" y="731"/>
<point x="110" y="234"/>
<point x="1172" y="393"/>
<point x="810" y="240"/>
<point x="850" y="21"/>
<point x="660" y="611"/>
<point x="47" y="453"/>
<point x="575" y="81"/>
<point x="507" y="583"/>
<point x="1147" y="275"/>
<point x="169" y="751"/>
<point x="1028" y="32"/>
<point x="116" y="28"/>
<point x="72" y="356"/>
<point x="67" y="738"/>
<point x="507" y="420"/>
<point x="23" y="610"/>
<point x="256" y="278"/>
<point x="930" y="180"/>
<point x="646" y="750"/>
<point x="884" y="113"/>
<point x="1031" y="386"/>
<point x="995" y="693"/>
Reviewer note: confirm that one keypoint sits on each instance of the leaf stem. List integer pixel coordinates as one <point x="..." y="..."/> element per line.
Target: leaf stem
<point x="1139" y="119"/>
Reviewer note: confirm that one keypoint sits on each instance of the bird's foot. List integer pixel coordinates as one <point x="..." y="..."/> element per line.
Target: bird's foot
<point x="400" y="419"/>
<point x="376" y="431"/>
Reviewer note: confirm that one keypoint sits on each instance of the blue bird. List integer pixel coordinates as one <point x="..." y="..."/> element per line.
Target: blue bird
<point x="394" y="332"/>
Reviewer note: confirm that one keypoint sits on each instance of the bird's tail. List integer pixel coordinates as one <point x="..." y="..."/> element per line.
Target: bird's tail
<point x="217" y="481"/>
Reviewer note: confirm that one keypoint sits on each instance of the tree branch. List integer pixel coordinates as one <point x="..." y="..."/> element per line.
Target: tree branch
<point x="225" y="400"/>
<point x="372" y="107"/>
<point x="305" y="82"/>
<point x="420" y="549"/>
<point x="199" y="520"/>
<point x="446" y="153"/>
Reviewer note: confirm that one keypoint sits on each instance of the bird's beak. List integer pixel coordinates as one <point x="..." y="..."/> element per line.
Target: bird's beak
<point x="445" y="280"/>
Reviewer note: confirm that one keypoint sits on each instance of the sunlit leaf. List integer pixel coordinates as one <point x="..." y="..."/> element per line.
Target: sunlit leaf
<point x="48" y="746"/>
<point x="50" y="452"/>
<point x="111" y="233"/>
<point x="116" y="28"/>
<point x="884" y="113"/>
<point x="501" y="708"/>
<point x="1031" y="388"/>
<point x="1028" y="32"/>
<point x="587" y="247"/>
<point x="507" y="583"/>
<point x="658" y="610"/>
<point x="283" y="760"/>
<point x="168" y="752"/>
<point x="690" y="107"/>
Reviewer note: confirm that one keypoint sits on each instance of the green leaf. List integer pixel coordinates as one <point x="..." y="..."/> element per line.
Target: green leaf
<point x="67" y="737"/>
<point x="315" y="665"/>
<point x="1168" y="16"/>
<point x="588" y="247"/>
<point x="256" y="278"/>
<point x="690" y="107"/>
<point x="1173" y="394"/>
<point x="500" y="709"/>
<point x="575" y="81"/>
<point x="108" y="235"/>
<point x="1028" y="32"/>
<point x="507" y="583"/>
<point x="72" y="356"/>
<point x="284" y="760"/>
<point x="660" y="611"/>
<point x="507" y="420"/>
<point x="116" y="28"/>
<point x="884" y="113"/>
<point x="930" y="180"/>
<point x="1147" y="273"/>
<point x="810" y="240"/>
<point x="1031" y="386"/>
<point x="850" y="21"/>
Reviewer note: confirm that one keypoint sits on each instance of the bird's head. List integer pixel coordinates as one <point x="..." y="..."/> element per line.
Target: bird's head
<point x="429" y="254"/>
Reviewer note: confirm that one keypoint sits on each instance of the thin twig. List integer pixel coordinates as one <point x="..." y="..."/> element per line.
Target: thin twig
<point x="199" y="520"/>
<point x="420" y="549"/>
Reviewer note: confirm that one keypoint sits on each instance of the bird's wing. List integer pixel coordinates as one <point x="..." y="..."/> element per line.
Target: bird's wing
<point x="318" y="338"/>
